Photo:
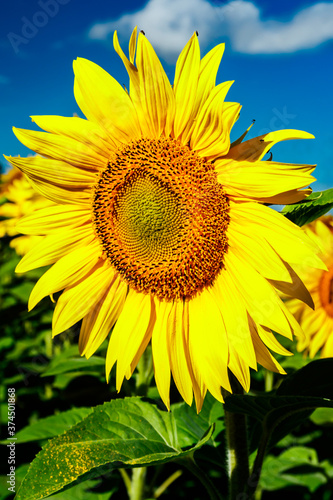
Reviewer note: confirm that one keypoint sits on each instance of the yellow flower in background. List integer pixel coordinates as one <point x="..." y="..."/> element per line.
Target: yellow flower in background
<point x="317" y="324"/>
<point x="160" y="232"/>
<point x="20" y="199"/>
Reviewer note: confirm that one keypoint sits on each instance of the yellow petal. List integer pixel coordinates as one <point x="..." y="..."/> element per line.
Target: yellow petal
<point x="207" y="74"/>
<point x="23" y="244"/>
<point x="239" y="368"/>
<point x="264" y="357"/>
<point x="55" y="246"/>
<point x="324" y="237"/>
<point x="255" y="149"/>
<point x="57" y="181"/>
<point x="81" y="130"/>
<point x="61" y="148"/>
<point x="186" y="83"/>
<point x="271" y="342"/>
<point x="198" y="386"/>
<point x="159" y="344"/>
<point x="179" y="352"/>
<point x="52" y="219"/>
<point x="257" y="250"/>
<point x="59" y="173"/>
<point x="129" y="64"/>
<point x="233" y="311"/>
<point x="157" y="97"/>
<point x="63" y="195"/>
<point x="135" y="88"/>
<point x="144" y="343"/>
<point x="132" y="326"/>
<point x="288" y="197"/>
<point x="208" y="344"/>
<point x="287" y="239"/>
<point x="294" y="289"/>
<point x="327" y="351"/>
<point x="97" y="324"/>
<point x="103" y="101"/>
<point x="211" y="134"/>
<point x="132" y="45"/>
<point x="262" y="179"/>
<point x="240" y="138"/>
<point x="79" y="299"/>
<point x="65" y="272"/>
<point x="262" y="301"/>
<point x="206" y="82"/>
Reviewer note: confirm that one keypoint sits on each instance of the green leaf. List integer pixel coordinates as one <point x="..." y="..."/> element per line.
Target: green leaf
<point x="6" y="342"/>
<point x="314" y="206"/>
<point x="322" y="416"/>
<point x="28" y="344"/>
<point x="72" y="364"/>
<point x="22" y="291"/>
<point x="299" y="440"/>
<point x="276" y="410"/>
<point x="127" y="432"/>
<point x="48" y="427"/>
<point x="191" y="426"/>
<point x="296" y="466"/>
<point x="314" y="379"/>
<point x="62" y="380"/>
<point x="20" y="472"/>
<point x="297" y="397"/>
<point x="7" y="268"/>
<point x="295" y="362"/>
<point x="82" y="491"/>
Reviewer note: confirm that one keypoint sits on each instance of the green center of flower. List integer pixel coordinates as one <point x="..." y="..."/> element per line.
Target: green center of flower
<point x="149" y="218"/>
<point x="161" y="218"/>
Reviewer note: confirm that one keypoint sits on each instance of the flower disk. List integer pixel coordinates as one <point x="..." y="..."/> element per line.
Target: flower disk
<point x="161" y="217"/>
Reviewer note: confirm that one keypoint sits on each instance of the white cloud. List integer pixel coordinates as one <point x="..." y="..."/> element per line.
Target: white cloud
<point x="4" y="80"/>
<point x="168" y="25"/>
<point x="307" y="29"/>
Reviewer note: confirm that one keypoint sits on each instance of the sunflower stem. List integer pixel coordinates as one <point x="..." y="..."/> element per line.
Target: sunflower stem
<point x="138" y="483"/>
<point x="126" y="479"/>
<point x="237" y="449"/>
<point x="257" y="466"/>
<point x="269" y="380"/>
<point x="161" y="489"/>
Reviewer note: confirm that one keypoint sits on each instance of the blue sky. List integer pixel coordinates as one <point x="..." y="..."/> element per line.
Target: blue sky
<point x="278" y="53"/>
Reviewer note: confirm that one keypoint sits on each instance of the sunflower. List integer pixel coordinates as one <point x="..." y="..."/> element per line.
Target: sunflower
<point x="20" y="199"/>
<point x="317" y="324"/>
<point x="161" y="231"/>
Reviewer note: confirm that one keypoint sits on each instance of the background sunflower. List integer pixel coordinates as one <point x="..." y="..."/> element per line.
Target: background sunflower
<point x="18" y="199"/>
<point x="317" y="323"/>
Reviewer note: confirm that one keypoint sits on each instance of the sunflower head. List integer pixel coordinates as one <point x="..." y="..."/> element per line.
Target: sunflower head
<point x="159" y="230"/>
<point x="317" y="323"/>
<point x="20" y="199"/>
